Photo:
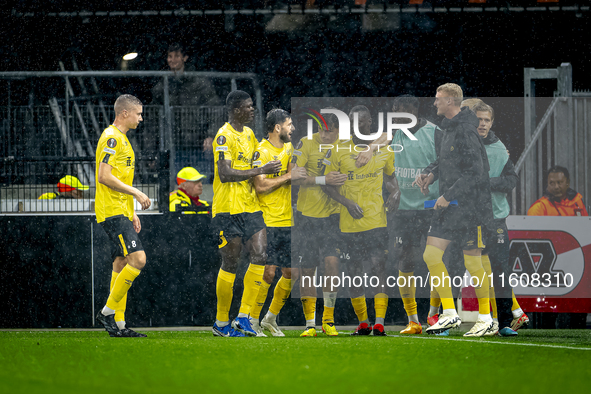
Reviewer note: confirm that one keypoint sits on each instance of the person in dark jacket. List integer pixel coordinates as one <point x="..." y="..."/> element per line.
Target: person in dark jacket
<point x="187" y="91"/>
<point x="462" y="169"/>
<point x="495" y="258"/>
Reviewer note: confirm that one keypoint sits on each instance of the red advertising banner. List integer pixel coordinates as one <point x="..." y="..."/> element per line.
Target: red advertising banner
<point x="556" y="251"/>
<point x="550" y="260"/>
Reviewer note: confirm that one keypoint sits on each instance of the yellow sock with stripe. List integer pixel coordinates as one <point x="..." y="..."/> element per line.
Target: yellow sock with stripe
<point x="255" y="311"/>
<point x="515" y="308"/>
<point x="224" y="290"/>
<point x="330" y="300"/>
<point x="474" y="266"/>
<point x="309" y="307"/>
<point x="121" y="305"/>
<point x="515" y="303"/>
<point x="491" y="290"/>
<point x="360" y="307"/>
<point x="408" y="292"/>
<point x="280" y="295"/>
<point x="433" y="257"/>
<point x="122" y="284"/>
<point x="252" y="284"/>
<point x="380" y="304"/>
<point x="434" y="303"/>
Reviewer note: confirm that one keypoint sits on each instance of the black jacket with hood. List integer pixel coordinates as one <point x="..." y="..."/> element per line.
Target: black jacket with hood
<point x="462" y="169"/>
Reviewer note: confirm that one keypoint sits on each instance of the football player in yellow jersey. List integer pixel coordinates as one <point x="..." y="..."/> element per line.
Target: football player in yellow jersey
<point x="115" y="164"/>
<point x="317" y="224"/>
<point x="236" y="214"/>
<point x="274" y="193"/>
<point x="363" y="217"/>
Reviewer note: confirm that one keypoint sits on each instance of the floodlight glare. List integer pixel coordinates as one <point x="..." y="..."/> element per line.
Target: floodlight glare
<point x="130" y="56"/>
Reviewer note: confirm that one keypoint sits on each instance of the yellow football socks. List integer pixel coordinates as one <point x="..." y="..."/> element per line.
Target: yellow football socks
<point x="434" y="303"/>
<point x="252" y="284"/>
<point x="121" y="305"/>
<point x="255" y="311"/>
<point x="433" y="257"/>
<point x="474" y="266"/>
<point x="330" y="299"/>
<point x="407" y="292"/>
<point x="309" y="307"/>
<point x="122" y="284"/>
<point x="515" y="303"/>
<point x="380" y="304"/>
<point x="280" y="295"/>
<point x="360" y="307"/>
<point x="491" y="290"/>
<point x="224" y="290"/>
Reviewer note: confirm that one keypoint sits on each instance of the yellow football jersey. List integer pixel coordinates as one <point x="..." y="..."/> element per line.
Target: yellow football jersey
<point x="312" y="201"/>
<point x="363" y="186"/>
<point x="238" y="147"/>
<point x="276" y="205"/>
<point x="114" y="149"/>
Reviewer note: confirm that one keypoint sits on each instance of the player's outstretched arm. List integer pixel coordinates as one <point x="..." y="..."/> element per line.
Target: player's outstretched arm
<point x="264" y="185"/>
<point x="333" y="178"/>
<point x="364" y="157"/>
<point x="229" y="174"/>
<point x="106" y="178"/>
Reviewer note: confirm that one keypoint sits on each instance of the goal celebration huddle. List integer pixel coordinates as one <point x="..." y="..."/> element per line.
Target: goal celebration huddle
<point x="444" y="184"/>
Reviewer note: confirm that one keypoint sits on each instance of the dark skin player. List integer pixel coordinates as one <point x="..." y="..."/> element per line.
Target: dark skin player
<point x="237" y="118"/>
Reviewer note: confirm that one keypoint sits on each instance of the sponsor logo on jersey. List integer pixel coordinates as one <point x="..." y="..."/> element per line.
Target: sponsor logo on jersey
<point x="111" y="151"/>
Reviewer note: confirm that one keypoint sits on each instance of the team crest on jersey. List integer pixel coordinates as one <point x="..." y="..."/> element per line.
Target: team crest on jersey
<point x="111" y="142"/>
<point x="300" y="144"/>
<point x="221" y="140"/>
<point x="452" y="148"/>
<point x="500" y="230"/>
<point x="329" y="153"/>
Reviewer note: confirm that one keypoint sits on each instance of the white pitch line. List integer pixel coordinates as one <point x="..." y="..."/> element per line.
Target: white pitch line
<point x="491" y="342"/>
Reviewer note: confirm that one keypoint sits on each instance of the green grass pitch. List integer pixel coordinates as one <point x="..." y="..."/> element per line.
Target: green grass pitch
<point x="537" y="361"/>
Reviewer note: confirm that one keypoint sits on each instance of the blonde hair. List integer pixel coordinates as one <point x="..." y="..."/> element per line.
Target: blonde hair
<point x="471" y="103"/>
<point x="482" y="107"/>
<point x="452" y="90"/>
<point x="126" y="102"/>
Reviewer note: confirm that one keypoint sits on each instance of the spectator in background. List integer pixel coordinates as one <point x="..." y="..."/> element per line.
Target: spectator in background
<point x="68" y="187"/>
<point x="187" y="91"/>
<point x="186" y="197"/>
<point x="559" y="199"/>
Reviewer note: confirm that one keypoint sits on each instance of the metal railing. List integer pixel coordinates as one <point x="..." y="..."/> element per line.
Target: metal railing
<point x="562" y="136"/>
<point x="70" y="127"/>
<point x="31" y="184"/>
